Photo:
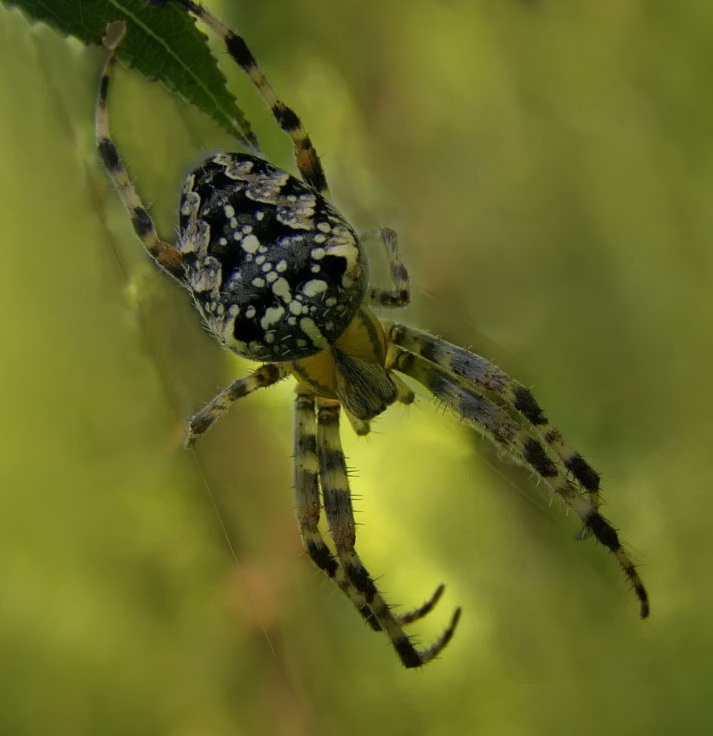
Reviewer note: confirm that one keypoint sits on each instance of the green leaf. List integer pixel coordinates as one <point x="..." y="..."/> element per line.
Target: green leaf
<point x="162" y="44"/>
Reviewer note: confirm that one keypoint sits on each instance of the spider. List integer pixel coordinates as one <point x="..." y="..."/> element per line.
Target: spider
<point x="280" y="276"/>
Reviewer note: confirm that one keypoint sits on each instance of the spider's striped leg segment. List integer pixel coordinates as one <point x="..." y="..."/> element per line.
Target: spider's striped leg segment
<point x="472" y="369"/>
<point x="206" y="417"/>
<point x="523" y="444"/>
<point x="305" y="154"/>
<point x="163" y="253"/>
<point x="340" y="515"/>
<point x="307" y="503"/>
<point x="410" y="616"/>
<point x="400" y="295"/>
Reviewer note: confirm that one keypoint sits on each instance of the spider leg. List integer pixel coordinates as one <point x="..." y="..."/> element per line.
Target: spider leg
<point x="163" y="253"/>
<point x="307" y="503"/>
<point x="410" y="616"/>
<point x="400" y="295"/>
<point x="404" y="393"/>
<point x="340" y="515"/>
<point x="305" y="154"/>
<point x="205" y="418"/>
<point x="472" y="369"/>
<point x="521" y="444"/>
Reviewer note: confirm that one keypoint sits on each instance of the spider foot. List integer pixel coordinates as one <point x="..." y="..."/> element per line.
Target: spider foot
<point x="412" y="657"/>
<point x="421" y="611"/>
<point x="197" y="426"/>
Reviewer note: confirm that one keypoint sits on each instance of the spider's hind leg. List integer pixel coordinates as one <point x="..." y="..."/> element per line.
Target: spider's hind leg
<point x="307" y="503"/>
<point x="340" y="515"/>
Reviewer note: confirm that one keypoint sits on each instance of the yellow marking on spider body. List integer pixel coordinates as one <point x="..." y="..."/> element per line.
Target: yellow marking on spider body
<point x="363" y="341"/>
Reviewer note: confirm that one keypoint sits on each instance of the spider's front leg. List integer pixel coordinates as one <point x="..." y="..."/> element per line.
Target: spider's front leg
<point x="340" y="515"/>
<point x="307" y="503"/>
<point x="462" y="381"/>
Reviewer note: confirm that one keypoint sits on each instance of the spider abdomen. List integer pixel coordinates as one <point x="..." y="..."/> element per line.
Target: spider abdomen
<point x="273" y="267"/>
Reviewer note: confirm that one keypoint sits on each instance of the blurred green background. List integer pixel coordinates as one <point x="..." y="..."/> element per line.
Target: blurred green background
<point x="549" y="166"/>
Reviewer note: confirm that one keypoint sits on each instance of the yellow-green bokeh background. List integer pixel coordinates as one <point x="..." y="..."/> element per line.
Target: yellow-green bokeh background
<point x="549" y="166"/>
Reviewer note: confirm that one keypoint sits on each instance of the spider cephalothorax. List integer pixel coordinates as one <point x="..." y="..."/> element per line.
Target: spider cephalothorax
<point x="280" y="276"/>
